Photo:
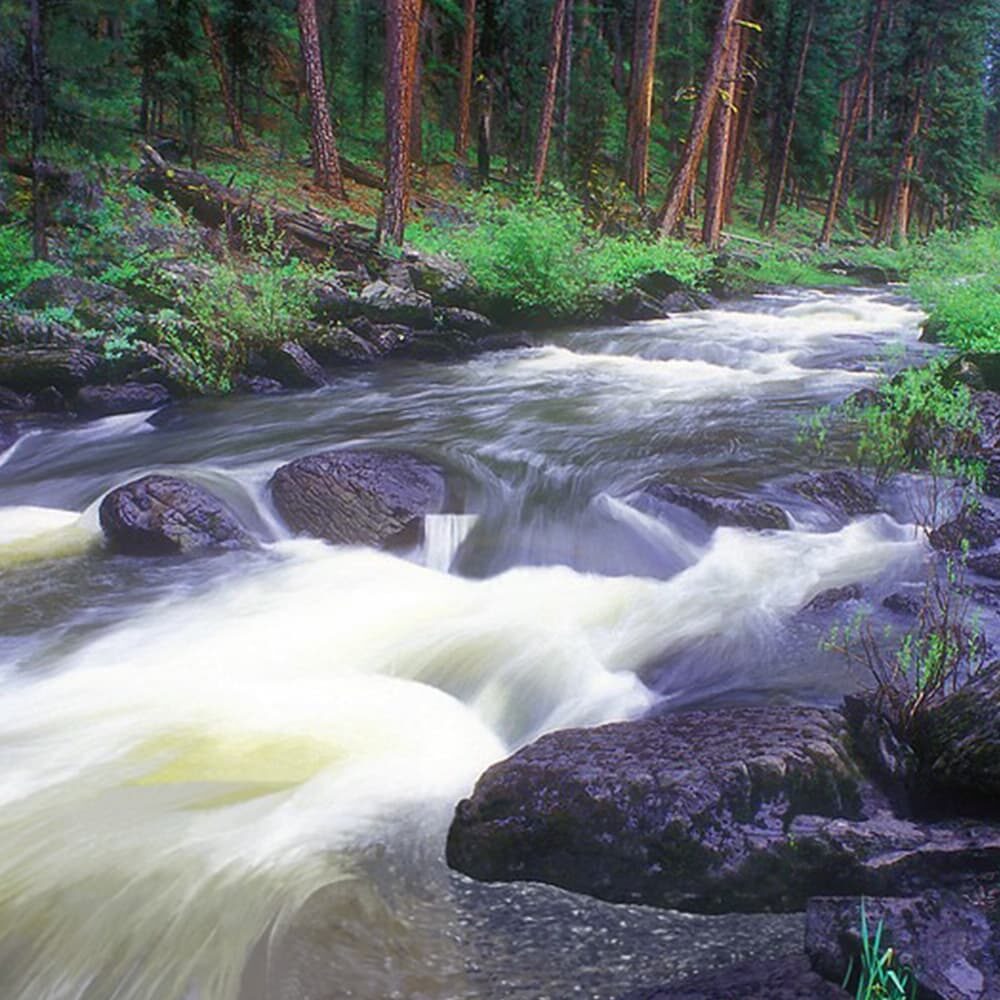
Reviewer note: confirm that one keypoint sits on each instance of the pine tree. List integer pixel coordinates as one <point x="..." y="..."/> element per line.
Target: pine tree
<point x="556" y="36"/>
<point x="640" y="102"/>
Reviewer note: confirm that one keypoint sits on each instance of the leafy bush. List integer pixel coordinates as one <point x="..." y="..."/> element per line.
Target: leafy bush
<point x="17" y="266"/>
<point x="539" y="254"/>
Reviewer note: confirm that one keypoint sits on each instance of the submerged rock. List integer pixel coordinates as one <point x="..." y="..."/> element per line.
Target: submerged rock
<point x="740" y="512"/>
<point x="129" y="397"/>
<point x="948" y="945"/>
<point x="841" y="491"/>
<point x="359" y="496"/>
<point x="161" y="515"/>
<point x="688" y="811"/>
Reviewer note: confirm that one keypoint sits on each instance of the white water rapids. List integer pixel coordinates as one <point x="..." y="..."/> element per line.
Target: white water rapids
<point x="191" y="753"/>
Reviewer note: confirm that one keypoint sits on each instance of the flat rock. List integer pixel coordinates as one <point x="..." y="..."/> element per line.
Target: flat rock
<point x="789" y="978"/>
<point x="841" y="491"/>
<point x="161" y="515"/>
<point x="129" y="397"/>
<point x="689" y="811"/>
<point x="359" y="496"/>
<point x="949" y="945"/>
<point x="740" y="512"/>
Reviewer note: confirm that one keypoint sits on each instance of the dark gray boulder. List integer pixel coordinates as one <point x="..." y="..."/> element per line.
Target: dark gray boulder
<point x="740" y="512"/>
<point x="978" y="526"/>
<point x="129" y="397"/>
<point x="161" y="515"/>
<point x="359" y="496"/>
<point x="466" y="321"/>
<point x="293" y="366"/>
<point x="337" y="345"/>
<point x="257" y="385"/>
<point x="332" y="302"/>
<point x="385" y="303"/>
<point x="949" y="945"/>
<point x="14" y="402"/>
<point x="789" y="978"/>
<point x="93" y="303"/>
<point x="34" y="369"/>
<point x="446" y="281"/>
<point x="689" y="811"/>
<point x="8" y="432"/>
<point x="840" y="491"/>
<point x="959" y="742"/>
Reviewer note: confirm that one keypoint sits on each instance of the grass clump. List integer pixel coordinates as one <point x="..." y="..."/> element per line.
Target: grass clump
<point x="878" y="978"/>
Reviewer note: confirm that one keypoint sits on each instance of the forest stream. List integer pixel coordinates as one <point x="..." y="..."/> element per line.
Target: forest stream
<point x="231" y="776"/>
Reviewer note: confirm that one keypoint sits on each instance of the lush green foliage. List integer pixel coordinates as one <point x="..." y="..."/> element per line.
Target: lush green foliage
<point x="540" y="254"/>
<point x="17" y="266"/>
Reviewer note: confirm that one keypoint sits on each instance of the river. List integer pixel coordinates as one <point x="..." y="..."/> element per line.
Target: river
<point x="231" y="776"/>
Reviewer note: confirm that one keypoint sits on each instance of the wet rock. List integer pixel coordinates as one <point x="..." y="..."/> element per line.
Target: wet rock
<point x="688" y="811"/>
<point x="129" y="397"/>
<point x="789" y="978"/>
<point x="634" y="305"/>
<point x="160" y="364"/>
<point x="8" y="432"/>
<point x="833" y="598"/>
<point x="902" y="604"/>
<point x="332" y="302"/>
<point x="466" y="321"/>
<point x="385" y="303"/>
<point x="841" y="491"/>
<point x="50" y="400"/>
<point x="949" y="945"/>
<point x="257" y="385"/>
<point x="740" y="512"/>
<point x="14" y="401"/>
<point x="293" y="366"/>
<point x="338" y="345"/>
<point x="978" y="526"/>
<point x="438" y="345"/>
<point x="686" y="301"/>
<point x="161" y="515"/>
<point x="32" y="369"/>
<point x="987" y="564"/>
<point x="959" y="742"/>
<point x="359" y="496"/>
<point x="987" y="406"/>
<point x="866" y="274"/>
<point x="93" y="303"/>
<point x="659" y="284"/>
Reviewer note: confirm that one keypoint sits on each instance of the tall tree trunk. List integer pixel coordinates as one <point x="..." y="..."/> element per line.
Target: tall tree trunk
<point x="778" y="175"/>
<point x="416" y="103"/>
<point x="745" y="87"/>
<point x="684" y="177"/>
<point x="326" y="161"/>
<point x="853" y="114"/>
<point x="465" y="80"/>
<point x="215" y="50"/>
<point x="897" y="205"/>
<point x="719" y="148"/>
<point x="640" y="102"/>
<point x="402" y="40"/>
<point x="565" y="87"/>
<point x="36" y="74"/>
<point x="556" y="35"/>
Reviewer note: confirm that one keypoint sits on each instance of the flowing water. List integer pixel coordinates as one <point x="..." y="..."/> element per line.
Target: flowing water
<point x="231" y="776"/>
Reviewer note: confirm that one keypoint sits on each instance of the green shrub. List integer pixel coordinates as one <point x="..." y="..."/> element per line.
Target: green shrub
<point x="17" y="266"/>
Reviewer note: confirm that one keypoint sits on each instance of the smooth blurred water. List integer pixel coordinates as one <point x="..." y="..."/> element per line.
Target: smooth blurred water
<point x="231" y="776"/>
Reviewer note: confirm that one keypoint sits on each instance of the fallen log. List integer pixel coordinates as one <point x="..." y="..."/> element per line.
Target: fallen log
<point x="309" y="235"/>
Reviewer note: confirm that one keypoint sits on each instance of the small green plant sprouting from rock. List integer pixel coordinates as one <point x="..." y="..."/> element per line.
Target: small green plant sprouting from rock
<point x="878" y="979"/>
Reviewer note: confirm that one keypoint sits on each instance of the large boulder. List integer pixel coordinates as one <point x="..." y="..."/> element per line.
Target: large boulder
<point x="33" y="369"/>
<point x="359" y="496"/>
<point x="958" y="742"/>
<point x="690" y="811"/>
<point x="839" y="491"/>
<point x="446" y="281"/>
<point x="739" y="512"/>
<point x="977" y="527"/>
<point x="92" y="303"/>
<point x="27" y="329"/>
<point x="948" y="945"/>
<point x="128" y="397"/>
<point x="332" y="302"/>
<point x="385" y="303"/>
<point x="161" y="515"/>
<point x="293" y="366"/>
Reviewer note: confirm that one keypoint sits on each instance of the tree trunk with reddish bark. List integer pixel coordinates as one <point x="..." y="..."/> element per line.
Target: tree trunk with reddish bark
<point x="402" y="39"/>
<point x="684" y="178"/>
<point x="36" y="80"/>
<point x="465" y="80"/>
<point x="218" y="63"/>
<point x="326" y="161"/>
<point x="851" y="123"/>
<point x="744" y="89"/>
<point x="556" y="36"/>
<point x="640" y="104"/>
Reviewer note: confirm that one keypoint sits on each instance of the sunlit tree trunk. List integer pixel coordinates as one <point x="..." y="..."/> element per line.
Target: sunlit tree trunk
<point x="851" y="123"/>
<point x="326" y="162"/>
<point x="218" y="63"/>
<point x="402" y="41"/>
<point x="465" y="80"/>
<point x="556" y="36"/>
<point x="640" y="104"/>
<point x="682" y="185"/>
